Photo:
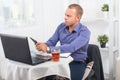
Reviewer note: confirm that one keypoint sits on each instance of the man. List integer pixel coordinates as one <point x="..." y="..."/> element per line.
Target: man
<point x="74" y="38"/>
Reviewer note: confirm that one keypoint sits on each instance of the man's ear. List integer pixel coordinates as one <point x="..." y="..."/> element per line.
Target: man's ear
<point x="78" y="18"/>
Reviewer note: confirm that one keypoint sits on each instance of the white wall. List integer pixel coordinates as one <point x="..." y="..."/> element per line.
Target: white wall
<point x="93" y="17"/>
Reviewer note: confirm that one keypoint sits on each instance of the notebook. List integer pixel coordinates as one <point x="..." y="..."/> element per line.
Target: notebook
<point x="17" y="48"/>
<point x="65" y="55"/>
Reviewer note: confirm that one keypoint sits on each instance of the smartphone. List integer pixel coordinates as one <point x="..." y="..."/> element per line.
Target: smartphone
<point x="33" y="40"/>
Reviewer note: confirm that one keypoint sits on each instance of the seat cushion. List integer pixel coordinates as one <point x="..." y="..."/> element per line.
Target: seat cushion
<point x="88" y="70"/>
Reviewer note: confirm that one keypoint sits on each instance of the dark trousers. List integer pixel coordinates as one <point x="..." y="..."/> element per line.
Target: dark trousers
<point x="77" y="70"/>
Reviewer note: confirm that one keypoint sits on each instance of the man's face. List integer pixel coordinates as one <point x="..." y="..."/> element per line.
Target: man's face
<point x="71" y="17"/>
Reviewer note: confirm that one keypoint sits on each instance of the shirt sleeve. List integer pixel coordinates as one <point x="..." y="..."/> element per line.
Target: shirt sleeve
<point x="54" y="39"/>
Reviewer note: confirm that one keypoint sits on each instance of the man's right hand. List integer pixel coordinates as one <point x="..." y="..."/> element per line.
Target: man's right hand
<point x="41" y="47"/>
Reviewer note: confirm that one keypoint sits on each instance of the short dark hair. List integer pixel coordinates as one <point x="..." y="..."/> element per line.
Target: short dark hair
<point x="77" y="7"/>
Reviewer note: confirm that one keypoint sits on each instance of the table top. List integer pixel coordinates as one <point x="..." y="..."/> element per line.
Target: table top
<point x="17" y="70"/>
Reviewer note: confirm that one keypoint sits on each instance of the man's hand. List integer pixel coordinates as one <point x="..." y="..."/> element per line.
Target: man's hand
<point x="41" y="47"/>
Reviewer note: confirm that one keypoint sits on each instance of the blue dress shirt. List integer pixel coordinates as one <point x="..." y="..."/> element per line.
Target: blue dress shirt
<point x="75" y="42"/>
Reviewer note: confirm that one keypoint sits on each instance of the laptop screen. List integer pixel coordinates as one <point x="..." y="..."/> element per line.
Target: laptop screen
<point x="16" y="48"/>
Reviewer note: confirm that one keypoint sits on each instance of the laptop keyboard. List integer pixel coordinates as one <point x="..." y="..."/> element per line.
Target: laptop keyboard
<point x="40" y="59"/>
<point x="37" y="60"/>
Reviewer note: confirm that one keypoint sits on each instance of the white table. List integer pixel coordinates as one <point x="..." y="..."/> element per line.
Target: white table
<point x="21" y="71"/>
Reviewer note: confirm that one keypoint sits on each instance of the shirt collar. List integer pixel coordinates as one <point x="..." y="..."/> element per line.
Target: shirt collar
<point x="76" y="29"/>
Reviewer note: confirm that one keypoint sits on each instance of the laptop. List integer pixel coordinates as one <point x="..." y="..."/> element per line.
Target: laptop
<point x="17" y="48"/>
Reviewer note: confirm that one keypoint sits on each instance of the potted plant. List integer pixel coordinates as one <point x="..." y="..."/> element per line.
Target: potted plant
<point x="103" y="39"/>
<point x="105" y="9"/>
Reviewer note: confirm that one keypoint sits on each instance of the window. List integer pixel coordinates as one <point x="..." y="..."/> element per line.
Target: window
<point x="17" y="12"/>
